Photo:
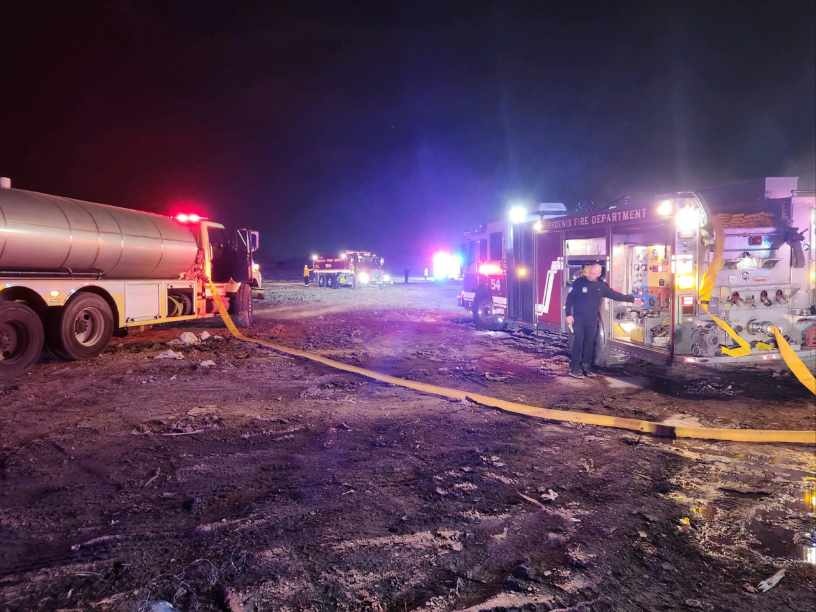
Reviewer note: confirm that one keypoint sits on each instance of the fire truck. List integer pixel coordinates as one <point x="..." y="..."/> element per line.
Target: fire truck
<point x="349" y="269"/>
<point x="485" y="279"/>
<point x="716" y="269"/>
<point x="75" y="273"/>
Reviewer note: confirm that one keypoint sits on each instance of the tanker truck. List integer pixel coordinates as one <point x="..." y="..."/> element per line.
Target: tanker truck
<point x="74" y="273"/>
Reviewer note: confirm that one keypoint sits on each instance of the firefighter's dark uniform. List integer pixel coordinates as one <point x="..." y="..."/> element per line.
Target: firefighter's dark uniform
<point x="584" y="303"/>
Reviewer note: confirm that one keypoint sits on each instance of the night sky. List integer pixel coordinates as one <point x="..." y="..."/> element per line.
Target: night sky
<point x="346" y="125"/>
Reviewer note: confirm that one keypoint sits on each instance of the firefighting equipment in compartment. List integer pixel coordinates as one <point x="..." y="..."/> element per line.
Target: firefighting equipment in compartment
<point x="586" y="418"/>
<point x="809" y="337"/>
<point x="697" y="340"/>
<point x="794" y="238"/>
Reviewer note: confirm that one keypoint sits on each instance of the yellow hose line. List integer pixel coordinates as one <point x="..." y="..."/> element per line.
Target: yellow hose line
<point x="743" y="347"/>
<point x="569" y="416"/>
<point x="794" y="362"/>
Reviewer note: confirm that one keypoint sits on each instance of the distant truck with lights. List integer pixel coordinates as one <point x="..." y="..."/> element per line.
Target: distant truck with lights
<point x="349" y="269"/>
<point x="716" y="269"/>
<point x="75" y="273"/>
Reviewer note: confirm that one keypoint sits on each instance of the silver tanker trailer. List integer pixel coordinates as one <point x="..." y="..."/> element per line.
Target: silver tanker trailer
<point x="74" y="273"/>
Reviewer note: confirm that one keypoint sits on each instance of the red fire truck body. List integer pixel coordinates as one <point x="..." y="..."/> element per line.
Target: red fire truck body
<point x="717" y="270"/>
<point x="485" y="279"/>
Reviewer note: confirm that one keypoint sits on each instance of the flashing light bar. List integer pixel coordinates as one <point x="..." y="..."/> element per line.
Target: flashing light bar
<point x="446" y="265"/>
<point x="188" y="218"/>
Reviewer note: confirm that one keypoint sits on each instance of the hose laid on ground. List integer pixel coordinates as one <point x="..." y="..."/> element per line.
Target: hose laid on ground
<point x="569" y="416"/>
<point x="794" y="362"/>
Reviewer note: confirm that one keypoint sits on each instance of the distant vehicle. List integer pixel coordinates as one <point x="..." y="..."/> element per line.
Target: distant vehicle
<point x="349" y="269"/>
<point x="74" y="273"/>
<point x="716" y="269"/>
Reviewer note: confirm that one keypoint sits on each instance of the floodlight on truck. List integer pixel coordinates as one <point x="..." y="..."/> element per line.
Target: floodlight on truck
<point x="665" y="208"/>
<point x="687" y="220"/>
<point x="517" y="213"/>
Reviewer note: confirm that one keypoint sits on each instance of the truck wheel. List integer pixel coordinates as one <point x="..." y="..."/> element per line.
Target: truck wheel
<point x="321" y="280"/>
<point x="82" y="328"/>
<point x="21" y="338"/>
<point x="241" y="306"/>
<point x="331" y="281"/>
<point x="481" y="312"/>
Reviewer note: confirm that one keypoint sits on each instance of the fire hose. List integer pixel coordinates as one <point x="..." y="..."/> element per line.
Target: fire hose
<point x="568" y="416"/>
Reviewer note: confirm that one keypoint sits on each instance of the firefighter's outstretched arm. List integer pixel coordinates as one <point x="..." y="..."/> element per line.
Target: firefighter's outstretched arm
<point x="610" y="293"/>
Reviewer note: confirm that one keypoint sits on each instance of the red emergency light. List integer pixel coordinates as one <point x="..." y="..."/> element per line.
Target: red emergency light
<point x="490" y="269"/>
<point x="188" y="218"/>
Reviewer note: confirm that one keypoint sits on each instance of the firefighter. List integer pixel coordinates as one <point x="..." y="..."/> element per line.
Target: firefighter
<point x="306" y="274"/>
<point x="583" y="311"/>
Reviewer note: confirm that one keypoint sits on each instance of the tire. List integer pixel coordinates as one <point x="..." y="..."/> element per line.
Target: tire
<point x="174" y="306"/>
<point x="82" y="328"/>
<point x="480" y="317"/>
<point x="22" y="338"/>
<point x="241" y="306"/>
<point x="331" y="282"/>
<point x="184" y="301"/>
<point x="188" y="303"/>
<point x="321" y="280"/>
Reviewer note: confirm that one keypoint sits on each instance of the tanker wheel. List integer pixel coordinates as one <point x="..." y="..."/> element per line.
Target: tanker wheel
<point x="82" y="328"/>
<point x="241" y="306"/>
<point x="21" y="338"/>
<point x="321" y="280"/>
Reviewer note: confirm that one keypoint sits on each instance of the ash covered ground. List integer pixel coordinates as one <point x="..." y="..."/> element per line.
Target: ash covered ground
<point x="230" y="477"/>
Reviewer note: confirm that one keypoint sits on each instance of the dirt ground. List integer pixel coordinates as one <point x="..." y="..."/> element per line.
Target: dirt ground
<point x="263" y="482"/>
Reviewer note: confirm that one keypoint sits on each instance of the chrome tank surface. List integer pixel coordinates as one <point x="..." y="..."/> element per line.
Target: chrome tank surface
<point x="46" y="233"/>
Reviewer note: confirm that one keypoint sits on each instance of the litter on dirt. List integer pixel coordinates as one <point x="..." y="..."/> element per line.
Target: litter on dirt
<point x="771" y="582"/>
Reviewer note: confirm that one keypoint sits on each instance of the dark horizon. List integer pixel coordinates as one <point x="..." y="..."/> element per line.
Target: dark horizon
<point x="396" y="129"/>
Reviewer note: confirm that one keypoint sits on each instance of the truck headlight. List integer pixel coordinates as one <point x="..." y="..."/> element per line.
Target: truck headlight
<point x="363" y="278"/>
<point x="386" y="278"/>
